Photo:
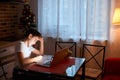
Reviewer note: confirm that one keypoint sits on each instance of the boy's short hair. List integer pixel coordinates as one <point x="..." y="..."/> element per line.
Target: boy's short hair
<point x="33" y="32"/>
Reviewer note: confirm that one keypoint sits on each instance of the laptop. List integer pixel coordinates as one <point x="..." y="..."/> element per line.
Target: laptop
<point x="48" y="60"/>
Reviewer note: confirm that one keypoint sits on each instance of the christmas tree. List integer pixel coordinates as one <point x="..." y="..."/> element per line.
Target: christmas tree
<point x="28" y="18"/>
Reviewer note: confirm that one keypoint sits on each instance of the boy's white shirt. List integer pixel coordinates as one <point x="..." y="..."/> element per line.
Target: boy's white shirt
<point x="22" y="47"/>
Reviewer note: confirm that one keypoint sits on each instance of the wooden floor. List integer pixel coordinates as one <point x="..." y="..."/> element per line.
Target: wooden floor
<point x="78" y="78"/>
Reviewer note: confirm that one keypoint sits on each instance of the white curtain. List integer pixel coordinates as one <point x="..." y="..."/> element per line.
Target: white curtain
<point x="74" y="19"/>
<point x="77" y="20"/>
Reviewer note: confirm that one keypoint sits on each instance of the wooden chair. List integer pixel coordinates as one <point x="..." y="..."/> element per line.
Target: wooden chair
<point x="70" y="45"/>
<point x="94" y="55"/>
<point x="4" y="61"/>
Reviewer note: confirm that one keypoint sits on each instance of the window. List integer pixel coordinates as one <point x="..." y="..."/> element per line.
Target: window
<point x="74" y="19"/>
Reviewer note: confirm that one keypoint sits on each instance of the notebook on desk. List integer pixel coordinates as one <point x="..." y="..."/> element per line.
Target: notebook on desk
<point x="48" y="61"/>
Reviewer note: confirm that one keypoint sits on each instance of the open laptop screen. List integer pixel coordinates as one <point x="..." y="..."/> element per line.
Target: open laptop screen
<point x="59" y="56"/>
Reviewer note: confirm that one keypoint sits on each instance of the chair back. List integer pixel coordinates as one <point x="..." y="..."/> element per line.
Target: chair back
<point x="70" y="45"/>
<point x="94" y="55"/>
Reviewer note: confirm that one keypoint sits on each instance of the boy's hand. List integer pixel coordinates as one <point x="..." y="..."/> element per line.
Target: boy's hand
<point x="41" y="39"/>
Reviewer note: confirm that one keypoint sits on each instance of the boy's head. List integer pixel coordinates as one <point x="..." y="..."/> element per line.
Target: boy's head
<point x="33" y="32"/>
<point x="32" y="36"/>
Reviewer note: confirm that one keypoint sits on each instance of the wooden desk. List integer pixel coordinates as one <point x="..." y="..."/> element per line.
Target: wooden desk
<point x="65" y="70"/>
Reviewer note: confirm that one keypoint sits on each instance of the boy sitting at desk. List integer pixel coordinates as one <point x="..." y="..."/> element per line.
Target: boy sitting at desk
<point x="25" y="48"/>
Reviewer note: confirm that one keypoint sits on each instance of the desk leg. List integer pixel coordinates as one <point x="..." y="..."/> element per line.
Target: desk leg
<point x="83" y="71"/>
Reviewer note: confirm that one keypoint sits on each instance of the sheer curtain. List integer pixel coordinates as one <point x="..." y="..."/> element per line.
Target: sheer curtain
<point x="97" y="20"/>
<point x="76" y="20"/>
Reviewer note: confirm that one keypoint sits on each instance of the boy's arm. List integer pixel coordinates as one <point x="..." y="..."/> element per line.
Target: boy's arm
<point x="32" y="60"/>
<point x="20" y="59"/>
<point x="26" y="61"/>
<point x="40" y="47"/>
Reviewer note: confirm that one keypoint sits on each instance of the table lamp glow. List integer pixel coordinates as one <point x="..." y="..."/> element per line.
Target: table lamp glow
<point x="116" y="17"/>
